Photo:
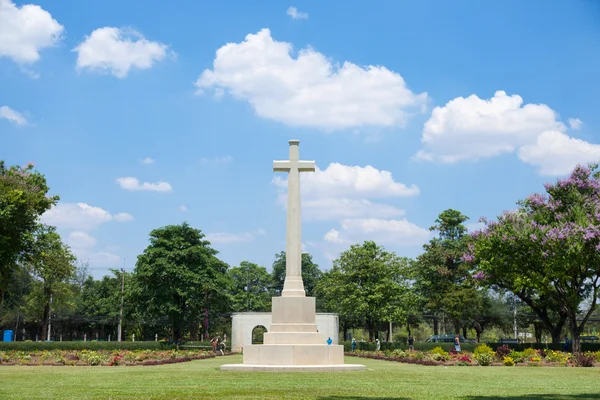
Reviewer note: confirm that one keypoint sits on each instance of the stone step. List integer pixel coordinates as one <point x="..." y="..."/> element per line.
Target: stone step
<point x="293" y="354"/>
<point x="294" y="338"/>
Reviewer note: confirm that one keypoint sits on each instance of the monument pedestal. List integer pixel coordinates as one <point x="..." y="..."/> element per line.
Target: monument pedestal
<point x="293" y="343"/>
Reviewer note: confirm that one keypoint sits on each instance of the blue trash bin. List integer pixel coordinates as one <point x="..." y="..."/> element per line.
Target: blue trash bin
<point x="9" y="336"/>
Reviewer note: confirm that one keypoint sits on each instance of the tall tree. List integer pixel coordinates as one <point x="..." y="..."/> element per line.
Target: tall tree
<point x="53" y="265"/>
<point x="23" y="199"/>
<point x="250" y="288"/>
<point x="310" y="273"/>
<point x="549" y="249"/>
<point x="442" y="279"/>
<point x="369" y="283"/>
<point x="180" y="276"/>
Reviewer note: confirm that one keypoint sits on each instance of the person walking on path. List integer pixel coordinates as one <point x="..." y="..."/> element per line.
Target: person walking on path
<point x="377" y="344"/>
<point x="411" y="342"/>
<point x="213" y="343"/>
<point x="353" y="344"/>
<point x="457" y="343"/>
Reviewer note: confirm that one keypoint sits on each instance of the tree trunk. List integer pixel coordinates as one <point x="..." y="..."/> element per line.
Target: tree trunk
<point x="436" y="325"/>
<point x="464" y="332"/>
<point x="538" y="328"/>
<point x="46" y="316"/>
<point x="408" y="328"/>
<point x="575" y="333"/>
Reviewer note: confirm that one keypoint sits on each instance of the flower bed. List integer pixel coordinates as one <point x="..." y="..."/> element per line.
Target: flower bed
<point x="485" y="356"/>
<point x="100" y="357"/>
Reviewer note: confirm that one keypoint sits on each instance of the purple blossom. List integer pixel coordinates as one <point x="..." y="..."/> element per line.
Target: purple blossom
<point x="480" y="275"/>
<point x="533" y="237"/>
<point x="467" y="257"/>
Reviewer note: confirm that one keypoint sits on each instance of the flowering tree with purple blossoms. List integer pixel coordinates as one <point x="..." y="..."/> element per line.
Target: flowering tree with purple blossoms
<point x="548" y="252"/>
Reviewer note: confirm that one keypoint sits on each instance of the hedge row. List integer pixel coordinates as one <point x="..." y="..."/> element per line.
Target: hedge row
<point x="426" y="346"/>
<point x="30" y="346"/>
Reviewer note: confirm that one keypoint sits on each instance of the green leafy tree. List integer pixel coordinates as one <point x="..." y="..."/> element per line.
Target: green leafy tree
<point x="369" y="283"/>
<point x="250" y="288"/>
<point x="23" y="199"/>
<point x="442" y="279"/>
<point x="53" y="265"/>
<point x="180" y="276"/>
<point x="549" y="249"/>
<point x="311" y="274"/>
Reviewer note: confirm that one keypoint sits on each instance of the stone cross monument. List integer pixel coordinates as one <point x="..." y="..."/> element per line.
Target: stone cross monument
<point x="293" y="285"/>
<point x="293" y="342"/>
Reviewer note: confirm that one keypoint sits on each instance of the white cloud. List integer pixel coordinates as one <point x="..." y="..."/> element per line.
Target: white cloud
<point x="25" y="30"/>
<point x="309" y="90"/>
<point x="399" y="232"/>
<point x="343" y="180"/>
<point x="12" y="115"/>
<point x="117" y="51"/>
<point x="295" y="14"/>
<point x="148" y="161"/>
<point x="338" y="208"/>
<point x="183" y="208"/>
<point x="472" y="128"/>
<point x="575" y="123"/>
<point x="131" y="183"/>
<point x="81" y="240"/>
<point x="555" y="153"/>
<point x="80" y="216"/>
<point x="229" y="238"/>
<point x="333" y="236"/>
<point x="217" y="160"/>
<point x="98" y="257"/>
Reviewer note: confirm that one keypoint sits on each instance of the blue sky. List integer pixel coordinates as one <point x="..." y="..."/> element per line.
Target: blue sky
<point x="143" y="114"/>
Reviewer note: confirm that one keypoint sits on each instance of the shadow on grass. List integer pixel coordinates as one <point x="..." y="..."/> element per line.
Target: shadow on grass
<point x="584" y="396"/>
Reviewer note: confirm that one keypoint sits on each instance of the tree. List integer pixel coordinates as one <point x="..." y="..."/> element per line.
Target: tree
<point x="369" y="283"/>
<point x="179" y="276"/>
<point x="23" y="199"/>
<point x="548" y="251"/>
<point x="310" y="273"/>
<point x="442" y="279"/>
<point x="250" y="288"/>
<point x="53" y="265"/>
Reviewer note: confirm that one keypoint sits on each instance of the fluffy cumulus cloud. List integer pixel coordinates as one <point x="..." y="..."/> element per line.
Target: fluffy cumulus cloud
<point x="555" y="153"/>
<point x="11" y="115"/>
<point x="130" y="183"/>
<point x="343" y="191"/>
<point x="148" y="161"/>
<point x="399" y="232"/>
<point x="307" y="89"/>
<point x="295" y="14"/>
<point x="229" y="238"/>
<point x="472" y="128"/>
<point x="344" y="180"/>
<point x="117" y="51"/>
<point x="80" y="216"/>
<point x="25" y="30"/>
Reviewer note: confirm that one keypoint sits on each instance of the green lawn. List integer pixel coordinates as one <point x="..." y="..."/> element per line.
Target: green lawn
<point x="202" y="379"/>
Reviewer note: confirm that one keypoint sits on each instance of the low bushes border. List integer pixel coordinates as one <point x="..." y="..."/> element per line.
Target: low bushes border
<point x="31" y="346"/>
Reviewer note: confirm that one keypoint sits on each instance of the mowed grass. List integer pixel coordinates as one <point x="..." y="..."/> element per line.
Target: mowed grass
<point x="202" y="379"/>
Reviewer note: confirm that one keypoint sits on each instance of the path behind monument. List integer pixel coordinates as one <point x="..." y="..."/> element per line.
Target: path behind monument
<point x="382" y="380"/>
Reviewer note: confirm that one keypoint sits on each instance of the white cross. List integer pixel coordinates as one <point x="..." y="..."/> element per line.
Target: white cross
<point x="293" y="285"/>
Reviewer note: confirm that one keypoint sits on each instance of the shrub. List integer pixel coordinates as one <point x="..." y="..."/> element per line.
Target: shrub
<point x="484" y="359"/>
<point x="529" y="352"/>
<point x="33" y="346"/>
<point x="503" y="351"/>
<point x="508" y="361"/>
<point x="464" y="360"/>
<point x="517" y="356"/>
<point x="535" y="361"/>
<point x="585" y="359"/>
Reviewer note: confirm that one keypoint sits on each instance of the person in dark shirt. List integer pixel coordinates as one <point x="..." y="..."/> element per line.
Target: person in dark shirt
<point x="411" y="342"/>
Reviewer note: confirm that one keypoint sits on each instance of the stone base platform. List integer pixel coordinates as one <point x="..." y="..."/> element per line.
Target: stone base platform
<point x="293" y="368"/>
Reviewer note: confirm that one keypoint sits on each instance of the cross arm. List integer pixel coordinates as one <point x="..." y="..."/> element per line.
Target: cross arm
<point x="306" y="166"/>
<point x="281" y="166"/>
